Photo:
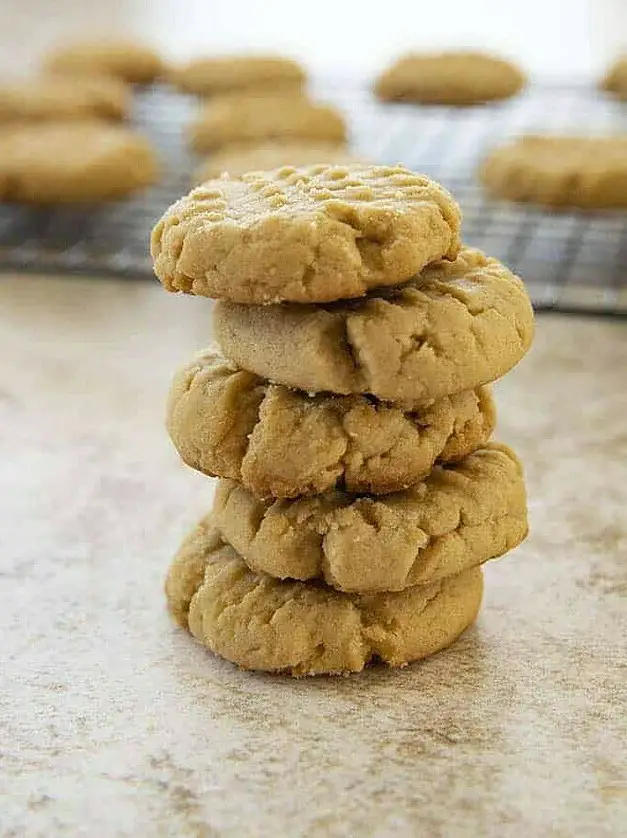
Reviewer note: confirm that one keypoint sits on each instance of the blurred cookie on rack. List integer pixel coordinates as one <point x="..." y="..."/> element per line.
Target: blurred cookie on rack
<point x="449" y="78"/>
<point x="128" y="60"/>
<point x="560" y="171"/>
<point x="229" y="120"/>
<point x="58" y="97"/>
<point x="615" y="80"/>
<point x="67" y="162"/>
<point x="242" y="74"/>
<point x="238" y="159"/>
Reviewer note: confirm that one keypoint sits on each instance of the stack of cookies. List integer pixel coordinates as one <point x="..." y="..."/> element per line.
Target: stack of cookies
<point x="347" y="414"/>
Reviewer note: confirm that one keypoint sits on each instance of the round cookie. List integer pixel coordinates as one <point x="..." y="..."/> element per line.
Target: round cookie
<point x="125" y="60"/>
<point x="230" y="120"/>
<point x="64" y="162"/>
<point x="449" y="78"/>
<point x="258" y="622"/>
<point x="279" y="442"/>
<point x="458" y="517"/>
<point x="238" y="74"/>
<point x="312" y="234"/>
<point x="583" y="172"/>
<point x="455" y="326"/>
<point x="239" y="159"/>
<point x="60" y="97"/>
<point x="615" y="81"/>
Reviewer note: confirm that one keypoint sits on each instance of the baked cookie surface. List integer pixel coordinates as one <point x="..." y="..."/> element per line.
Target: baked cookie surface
<point x="127" y="60"/>
<point x="262" y="623"/>
<point x="455" y="326"/>
<point x="309" y="234"/>
<point x="239" y="159"/>
<point x="238" y="74"/>
<point x="449" y="78"/>
<point x="458" y="517"/>
<point x="280" y="442"/>
<point x="583" y="172"/>
<point x="58" y="162"/>
<point x="229" y="120"/>
<point x="61" y="97"/>
<point x="615" y="81"/>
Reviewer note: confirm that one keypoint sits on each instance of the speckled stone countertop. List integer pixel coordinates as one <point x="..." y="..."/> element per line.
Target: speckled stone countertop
<point x="113" y="723"/>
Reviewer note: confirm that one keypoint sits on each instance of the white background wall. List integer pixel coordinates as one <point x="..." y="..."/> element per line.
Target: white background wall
<point x="550" y="37"/>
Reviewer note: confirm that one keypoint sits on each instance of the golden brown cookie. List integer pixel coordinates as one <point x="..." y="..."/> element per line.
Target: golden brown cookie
<point x="230" y="120"/>
<point x="125" y="60"/>
<point x="247" y="74"/>
<point x="258" y="622"/>
<point x="615" y="81"/>
<point x="585" y="172"/>
<point x="239" y="159"/>
<point x="61" y="97"/>
<point x="458" y="517"/>
<point x="449" y="78"/>
<point x="307" y="235"/>
<point x="279" y="442"/>
<point x="453" y="327"/>
<point x="73" y="161"/>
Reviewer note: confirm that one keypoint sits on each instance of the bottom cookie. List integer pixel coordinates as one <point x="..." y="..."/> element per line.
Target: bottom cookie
<point x="262" y="623"/>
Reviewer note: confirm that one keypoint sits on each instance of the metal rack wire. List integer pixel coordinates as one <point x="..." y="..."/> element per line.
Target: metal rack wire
<point x="571" y="261"/>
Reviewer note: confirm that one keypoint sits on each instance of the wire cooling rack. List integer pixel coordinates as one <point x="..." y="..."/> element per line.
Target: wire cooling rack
<point x="571" y="261"/>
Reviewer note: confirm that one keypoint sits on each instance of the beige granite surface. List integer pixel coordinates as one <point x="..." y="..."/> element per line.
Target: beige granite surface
<point x="113" y="723"/>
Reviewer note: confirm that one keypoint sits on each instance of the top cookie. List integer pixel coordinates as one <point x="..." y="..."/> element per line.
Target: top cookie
<point x="64" y="97"/>
<point x="126" y="60"/>
<point x="453" y="327"/>
<point x="615" y="80"/>
<point x="313" y="234"/>
<point x="238" y="73"/>
<point x="449" y="78"/>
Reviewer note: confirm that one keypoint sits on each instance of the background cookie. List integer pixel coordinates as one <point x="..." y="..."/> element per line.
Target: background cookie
<point x="230" y="120"/>
<point x="282" y="443"/>
<point x="236" y="160"/>
<point x="616" y="79"/>
<point x="309" y="235"/>
<point x="60" y="97"/>
<point x="73" y="161"/>
<point x="584" y="172"/>
<point x="126" y="60"/>
<point x="238" y="73"/>
<point x="449" y="78"/>
<point x="454" y="327"/>
<point x="459" y="516"/>
<point x="262" y="623"/>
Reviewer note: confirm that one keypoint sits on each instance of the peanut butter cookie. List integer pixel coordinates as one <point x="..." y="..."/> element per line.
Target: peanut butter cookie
<point x="584" y="172"/>
<point x="238" y="74"/>
<point x="453" y="327"/>
<point x="279" y="442"/>
<point x="239" y="159"/>
<point x="60" y="98"/>
<point x="73" y="161"/>
<point x="258" y="622"/>
<point x="312" y="234"/>
<point x="458" y="517"/>
<point x="229" y="120"/>
<point x="449" y="78"/>
<point x="616" y="79"/>
<point x="127" y="60"/>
